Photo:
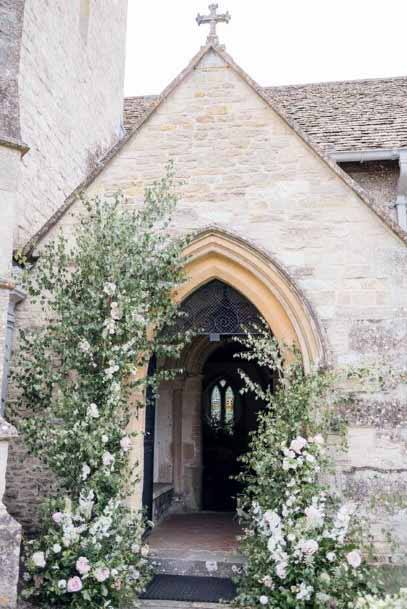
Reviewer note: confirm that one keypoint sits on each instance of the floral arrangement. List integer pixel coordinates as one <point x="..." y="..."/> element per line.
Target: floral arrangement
<point x="303" y="550"/>
<point x="88" y="558"/>
<point x="107" y="305"/>
<point x="390" y="601"/>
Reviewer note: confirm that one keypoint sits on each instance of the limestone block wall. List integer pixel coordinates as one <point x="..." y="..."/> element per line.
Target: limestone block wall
<point x="245" y="171"/>
<point x="379" y="179"/>
<point x="11" y="15"/>
<point x="10" y="165"/>
<point x="71" y="97"/>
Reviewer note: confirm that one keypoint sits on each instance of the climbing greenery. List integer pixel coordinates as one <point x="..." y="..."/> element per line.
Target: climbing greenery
<point x="304" y="549"/>
<point x="106" y="299"/>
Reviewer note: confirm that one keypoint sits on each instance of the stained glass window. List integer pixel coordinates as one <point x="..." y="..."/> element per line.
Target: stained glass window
<point x="222" y="405"/>
<point x="229" y="405"/>
<point x="216" y="404"/>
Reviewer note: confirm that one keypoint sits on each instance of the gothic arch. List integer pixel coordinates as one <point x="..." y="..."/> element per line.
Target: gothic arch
<point x="216" y="254"/>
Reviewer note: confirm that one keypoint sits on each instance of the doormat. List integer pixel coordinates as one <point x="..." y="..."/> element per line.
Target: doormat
<point x="190" y="588"/>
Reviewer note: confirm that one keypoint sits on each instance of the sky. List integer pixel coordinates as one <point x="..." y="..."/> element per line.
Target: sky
<point x="277" y="42"/>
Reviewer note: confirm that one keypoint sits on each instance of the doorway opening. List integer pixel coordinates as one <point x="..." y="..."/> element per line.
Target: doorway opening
<point x="201" y="423"/>
<point x="228" y="419"/>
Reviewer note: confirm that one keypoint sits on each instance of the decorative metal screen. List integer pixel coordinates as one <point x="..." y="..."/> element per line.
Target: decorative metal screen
<point x="217" y="308"/>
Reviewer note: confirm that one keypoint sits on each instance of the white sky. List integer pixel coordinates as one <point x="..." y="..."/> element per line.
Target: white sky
<point x="275" y="41"/>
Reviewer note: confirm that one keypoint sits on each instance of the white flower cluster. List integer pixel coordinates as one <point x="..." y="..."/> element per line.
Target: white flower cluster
<point x="80" y="529"/>
<point x="394" y="601"/>
<point x="298" y="534"/>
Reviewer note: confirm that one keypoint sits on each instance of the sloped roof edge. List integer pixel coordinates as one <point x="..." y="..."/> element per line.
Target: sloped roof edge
<point x="272" y="103"/>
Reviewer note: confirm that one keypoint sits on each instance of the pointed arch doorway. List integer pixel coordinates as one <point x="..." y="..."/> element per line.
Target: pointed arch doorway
<point x="203" y="422"/>
<point x="230" y="283"/>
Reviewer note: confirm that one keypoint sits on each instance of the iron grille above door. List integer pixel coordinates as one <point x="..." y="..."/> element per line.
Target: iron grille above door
<point x="218" y="309"/>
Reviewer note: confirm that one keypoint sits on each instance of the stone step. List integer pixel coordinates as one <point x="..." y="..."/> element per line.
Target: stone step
<point x="181" y="605"/>
<point x="202" y="565"/>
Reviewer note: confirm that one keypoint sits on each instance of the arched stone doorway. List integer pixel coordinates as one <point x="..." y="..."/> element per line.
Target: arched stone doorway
<point x="255" y="284"/>
<point x="202" y="420"/>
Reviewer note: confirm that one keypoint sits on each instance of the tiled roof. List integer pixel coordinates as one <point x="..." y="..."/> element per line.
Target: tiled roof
<point x="338" y="116"/>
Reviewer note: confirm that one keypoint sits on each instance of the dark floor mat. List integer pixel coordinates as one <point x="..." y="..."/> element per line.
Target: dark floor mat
<point x="188" y="588"/>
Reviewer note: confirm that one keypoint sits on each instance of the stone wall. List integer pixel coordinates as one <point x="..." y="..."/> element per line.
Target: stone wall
<point x="379" y="179"/>
<point x="11" y="17"/>
<point x="71" y="97"/>
<point x="247" y="172"/>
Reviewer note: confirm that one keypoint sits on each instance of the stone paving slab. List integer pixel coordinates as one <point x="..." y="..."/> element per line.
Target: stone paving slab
<point x="180" y="605"/>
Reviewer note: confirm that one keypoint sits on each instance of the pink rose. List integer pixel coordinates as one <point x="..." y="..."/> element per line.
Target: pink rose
<point x="57" y="517"/>
<point x="82" y="565"/>
<point x="74" y="584"/>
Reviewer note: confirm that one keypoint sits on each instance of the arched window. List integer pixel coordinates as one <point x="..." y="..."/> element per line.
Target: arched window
<point x="222" y="404"/>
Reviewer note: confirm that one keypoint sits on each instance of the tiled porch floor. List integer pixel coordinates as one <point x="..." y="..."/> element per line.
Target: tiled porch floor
<point x="196" y="536"/>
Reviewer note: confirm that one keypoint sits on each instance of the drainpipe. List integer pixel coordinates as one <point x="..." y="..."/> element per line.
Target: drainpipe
<point x="15" y="297"/>
<point x="384" y="154"/>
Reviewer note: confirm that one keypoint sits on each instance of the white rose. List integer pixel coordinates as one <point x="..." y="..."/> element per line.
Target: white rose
<point x="319" y="439"/>
<point x="331" y="556"/>
<point x="109" y="288"/>
<point x="125" y="444"/>
<point x="314" y="517"/>
<point x="38" y="559"/>
<point x="268" y="582"/>
<point x="84" y="346"/>
<point x="281" y="570"/>
<point x="85" y="471"/>
<point x="354" y="558"/>
<point x="304" y="592"/>
<point x="101" y="574"/>
<point x="107" y="459"/>
<point x="56" y="548"/>
<point x="93" y="411"/>
<point x="308" y="547"/>
<point x="263" y="599"/>
<point x="272" y="519"/>
<point x="105" y="438"/>
<point x="82" y="565"/>
<point x="298" y="444"/>
<point x="62" y="584"/>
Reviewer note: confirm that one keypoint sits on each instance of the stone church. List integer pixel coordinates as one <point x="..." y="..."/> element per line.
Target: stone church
<point x="296" y="197"/>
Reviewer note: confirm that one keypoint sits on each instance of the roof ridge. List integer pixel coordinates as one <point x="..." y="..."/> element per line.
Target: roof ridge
<point x="327" y="83"/>
<point x="351" y="81"/>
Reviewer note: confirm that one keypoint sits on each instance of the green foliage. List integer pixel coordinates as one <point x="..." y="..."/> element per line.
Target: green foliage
<point x="302" y="549"/>
<point x="107" y="306"/>
<point x="395" y="601"/>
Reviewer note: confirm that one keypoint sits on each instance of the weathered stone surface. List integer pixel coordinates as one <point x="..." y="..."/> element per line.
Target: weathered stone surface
<point x="10" y="530"/>
<point x="10" y="540"/>
<point x="70" y="95"/>
<point x="11" y="16"/>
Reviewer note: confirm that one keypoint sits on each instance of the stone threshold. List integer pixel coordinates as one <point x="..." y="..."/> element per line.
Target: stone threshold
<point x="180" y="605"/>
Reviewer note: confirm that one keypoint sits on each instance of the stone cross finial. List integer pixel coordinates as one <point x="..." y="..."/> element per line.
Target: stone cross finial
<point x="213" y="19"/>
